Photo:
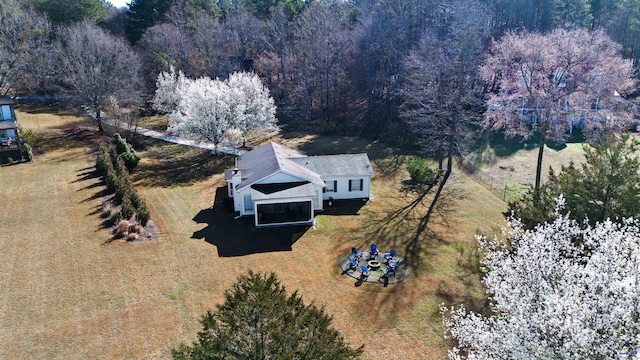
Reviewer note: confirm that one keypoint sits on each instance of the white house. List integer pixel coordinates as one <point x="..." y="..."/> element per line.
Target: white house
<point x="10" y="144"/>
<point x="280" y="186"/>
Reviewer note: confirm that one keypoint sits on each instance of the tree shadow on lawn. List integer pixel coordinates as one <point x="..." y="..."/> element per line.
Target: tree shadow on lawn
<point x="239" y="237"/>
<point x="409" y="227"/>
<point x="167" y="170"/>
<point x="86" y="174"/>
<point x="72" y="136"/>
<point x="470" y="276"/>
<point x="412" y="231"/>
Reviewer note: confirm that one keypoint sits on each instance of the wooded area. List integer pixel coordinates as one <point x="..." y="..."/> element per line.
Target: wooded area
<point x="344" y="67"/>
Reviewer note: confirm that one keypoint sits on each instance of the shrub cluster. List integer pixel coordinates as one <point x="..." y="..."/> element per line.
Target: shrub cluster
<point x="420" y="170"/>
<point x="126" y="152"/>
<point x="128" y="231"/>
<point x="27" y="153"/>
<point x="115" y="172"/>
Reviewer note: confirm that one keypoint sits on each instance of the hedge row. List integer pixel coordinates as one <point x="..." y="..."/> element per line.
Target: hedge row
<point x="126" y="152"/>
<point x="115" y="172"/>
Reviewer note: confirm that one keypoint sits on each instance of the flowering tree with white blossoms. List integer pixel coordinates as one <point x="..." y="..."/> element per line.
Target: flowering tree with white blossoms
<point x="167" y="97"/>
<point x="254" y="110"/>
<point x="203" y="110"/>
<point x="557" y="292"/>
<point x="216" y="110"/>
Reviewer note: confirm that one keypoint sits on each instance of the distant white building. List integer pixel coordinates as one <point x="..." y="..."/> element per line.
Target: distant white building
<point x="280" y="186"/>
<point x="8" y="123"/>
<point x="10" y="146"/>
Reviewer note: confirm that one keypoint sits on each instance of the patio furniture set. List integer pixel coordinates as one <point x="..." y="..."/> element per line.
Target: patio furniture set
<point x="372" y="265"/>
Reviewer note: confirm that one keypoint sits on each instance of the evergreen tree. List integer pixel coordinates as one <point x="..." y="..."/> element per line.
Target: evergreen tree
<point x="143" y="14"/>
<point x="605" y="186"/>
<point x="258" y="320"/>
<point x="67" y="12"/>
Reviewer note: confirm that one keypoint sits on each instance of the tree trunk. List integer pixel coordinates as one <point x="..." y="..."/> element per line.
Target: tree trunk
<point x="284" y="75"/>
<point x="425" y="220"/>
<point x="536" y="188"/>
<point x="99" y="120"/>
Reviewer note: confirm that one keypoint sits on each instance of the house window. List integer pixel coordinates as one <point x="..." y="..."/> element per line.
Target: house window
<point x="6" y="112"/>
<point x="355" y="185"/>
<point x="248" y="203"/>
<point x="331" y="186"/>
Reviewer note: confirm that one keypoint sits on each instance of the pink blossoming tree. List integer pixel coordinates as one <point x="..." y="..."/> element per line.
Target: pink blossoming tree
<point x="543" y="84"/>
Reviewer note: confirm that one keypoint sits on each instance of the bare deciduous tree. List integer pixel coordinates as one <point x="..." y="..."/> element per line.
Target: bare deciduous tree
<point x="160" y="48"/>
<point x="442" y="90"/>
<point x="23" y="48"/>
<point x="230" y="45"/>
<point x="94" y="66"/>
<point x="321" y="47"/>
<point x="279" y="37"/>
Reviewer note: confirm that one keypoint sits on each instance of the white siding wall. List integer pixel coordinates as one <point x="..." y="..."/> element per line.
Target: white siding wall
<point x="238" y="201"/>
<point x="239" y="196"/>
<point x="317" y="201"/>
<point x="343" y="188"/>
<point x="341" y="193"/>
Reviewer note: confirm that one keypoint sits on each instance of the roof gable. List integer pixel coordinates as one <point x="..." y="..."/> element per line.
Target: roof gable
<point x="270" y="159"/>
<point x="6" y="100"/>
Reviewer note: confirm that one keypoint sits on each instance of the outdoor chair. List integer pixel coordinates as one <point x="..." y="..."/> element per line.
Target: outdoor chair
<point x="357" y="254"/>
<point x="353" y="263"/>
<point x="365" y="270"/>
<point x="391" y="268"/>
<point x="373" y="252"/>
<point x="388" y="257"/>
<point x="388" y="270"/>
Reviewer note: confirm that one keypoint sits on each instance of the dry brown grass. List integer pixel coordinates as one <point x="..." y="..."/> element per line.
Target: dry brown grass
<point x="158" y="123"/>
<point x="64" y="293"/>
<point x="519" y="168"/>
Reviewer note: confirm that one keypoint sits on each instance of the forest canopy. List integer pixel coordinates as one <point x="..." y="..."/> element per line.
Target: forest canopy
<point x="331" y="66"/>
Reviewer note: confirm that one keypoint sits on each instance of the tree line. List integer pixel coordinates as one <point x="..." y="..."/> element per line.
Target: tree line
<point x="332" y="66"/>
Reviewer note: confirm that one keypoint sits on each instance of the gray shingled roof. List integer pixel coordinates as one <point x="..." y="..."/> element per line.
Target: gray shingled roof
<point x="6" y="100"/>
<point x="7" y="124"/>
<point x="269" y="159"/>
<point x="337" y="165"/>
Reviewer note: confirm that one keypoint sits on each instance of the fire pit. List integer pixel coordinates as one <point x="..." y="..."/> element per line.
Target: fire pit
<point x="373" y="264"/>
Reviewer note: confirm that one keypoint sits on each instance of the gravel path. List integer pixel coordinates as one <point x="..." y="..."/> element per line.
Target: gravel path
<point x="188" y="142"/>
<point x="176" y="140"/>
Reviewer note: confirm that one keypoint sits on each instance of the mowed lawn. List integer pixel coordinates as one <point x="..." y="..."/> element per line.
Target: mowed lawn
<point x="67" y="293"/>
